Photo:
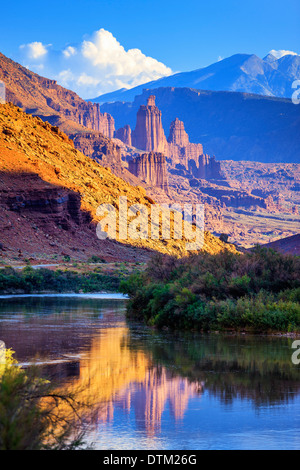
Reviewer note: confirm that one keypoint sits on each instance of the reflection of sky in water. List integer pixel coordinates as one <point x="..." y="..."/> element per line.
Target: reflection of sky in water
<point x="207" y="424"/>
<point x="159" y="391"/>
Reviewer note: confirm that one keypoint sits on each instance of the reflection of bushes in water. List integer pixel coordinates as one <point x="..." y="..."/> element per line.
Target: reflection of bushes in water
<point x="259" y="291"/>
<point x="254" y="367"/>
<point x="35" y="280"/>
<point x="31" y="415"/>
<point x="58" y="305"/>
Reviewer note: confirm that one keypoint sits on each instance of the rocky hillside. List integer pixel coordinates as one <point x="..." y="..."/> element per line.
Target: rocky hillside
<point x="50" y="192"/>
<point x="44" y="97"/>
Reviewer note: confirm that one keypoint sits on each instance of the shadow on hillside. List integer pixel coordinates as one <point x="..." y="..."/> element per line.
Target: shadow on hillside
<point x="43" y="215"/>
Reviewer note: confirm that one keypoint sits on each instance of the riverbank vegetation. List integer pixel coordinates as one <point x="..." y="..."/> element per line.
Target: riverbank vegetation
<point x="29" y="280"/>
<point x="257" y="291"/>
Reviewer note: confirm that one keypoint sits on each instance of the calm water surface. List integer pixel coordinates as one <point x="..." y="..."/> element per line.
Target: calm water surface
<point x="155" y="390"/>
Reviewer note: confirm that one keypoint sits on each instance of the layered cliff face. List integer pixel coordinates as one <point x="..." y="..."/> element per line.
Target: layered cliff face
<point x="151" y="168"/>
<point x="52" y="205"/>
<point x="149" y="134"/>
<point x="43" y="97"/>
<point x="208" y="168"/>
<point x="106" y="125"/>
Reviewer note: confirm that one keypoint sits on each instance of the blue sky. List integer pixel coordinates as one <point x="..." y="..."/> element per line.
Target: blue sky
<point x="179" y="35"/>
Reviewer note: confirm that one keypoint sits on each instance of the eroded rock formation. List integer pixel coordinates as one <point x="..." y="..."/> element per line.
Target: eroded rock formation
<point x="50" y="204"/>
<point x="179" y="149"/>
<point x="151" y="168"/>
<point x="149" y="136"/>
<point x="208" y="168"/>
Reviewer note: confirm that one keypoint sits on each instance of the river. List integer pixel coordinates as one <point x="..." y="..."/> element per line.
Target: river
<point x="158" y="390"/>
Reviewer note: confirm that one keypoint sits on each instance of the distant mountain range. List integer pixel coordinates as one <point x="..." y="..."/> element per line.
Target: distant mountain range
<point x="241" y="72"/>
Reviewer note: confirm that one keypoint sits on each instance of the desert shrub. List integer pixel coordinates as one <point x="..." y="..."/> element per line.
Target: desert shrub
<point x="30" y="418"/>
<point x="96" y="259"/>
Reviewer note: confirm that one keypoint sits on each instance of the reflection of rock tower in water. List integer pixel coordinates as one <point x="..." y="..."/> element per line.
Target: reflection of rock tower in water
<point x="113" y="375"/>
<point x="150" y="397"/>
<point x="2" y="92"/>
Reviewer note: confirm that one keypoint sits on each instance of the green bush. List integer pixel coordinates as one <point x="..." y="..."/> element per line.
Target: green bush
<point x="259" y="290"/>
<point x="31" y="280"/>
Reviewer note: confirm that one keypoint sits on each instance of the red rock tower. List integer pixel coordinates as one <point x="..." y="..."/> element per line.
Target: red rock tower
<point x="178" y="136"/>
<point x="149" y="134"/>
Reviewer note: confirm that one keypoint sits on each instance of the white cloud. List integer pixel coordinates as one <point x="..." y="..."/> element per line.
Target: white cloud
<point x="281" y="53"/>
<point x="99" y="64"/>
<point x="34" y="50"/>
<point x="69" y="51"/>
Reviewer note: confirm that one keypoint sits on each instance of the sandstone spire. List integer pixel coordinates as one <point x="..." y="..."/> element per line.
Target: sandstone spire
<point x="177" y="135"/>
<point x="208" y="168"/>
<point x="149" y="134"/>
<point x="180" y="150"/>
